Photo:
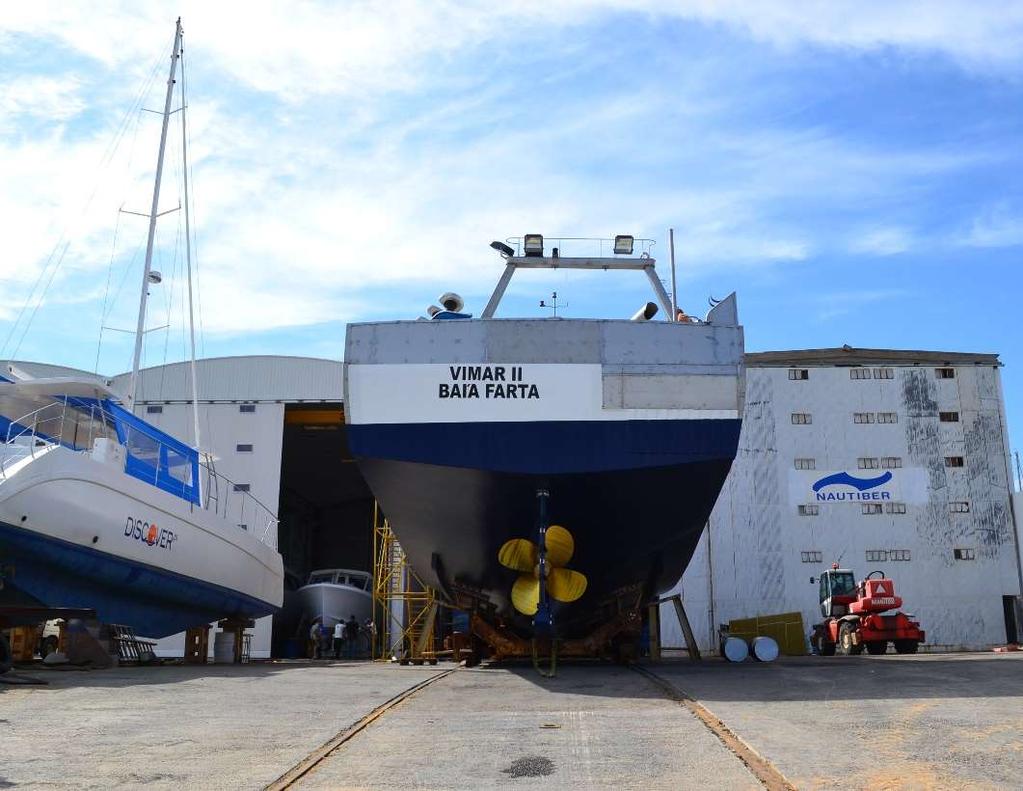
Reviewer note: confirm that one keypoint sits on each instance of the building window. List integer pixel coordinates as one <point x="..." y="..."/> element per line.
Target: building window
<point x="965" y="553"/>
<point x="954" y="461"/>
<point x="959" y="507"/>
<point x="863" y="417"/>
<point x="867" y="463"/>
<point x="887" y="417"/>
<point x="799" y="373"/>
<point x="895" y="508"/>
<point x="884" y="373"/>
<point x="811" y="557"/>
<point x="870" y="508"/>
<point x="891" y="462"/>
<point x="242" y="487"/>
<point x="806" y="464"/>
<point x="802" y="418"/>
<point x="948" y="417"/>
<point x="859" y="373"/>
<point x="945" y="373"/>
<point x="243" y="448"/>
<point x="876" y="556"/>
<point x="154" y="409"/>
<point x="898" y="554"/>
<point x="809" y="510"/>
<point x="246" y="407"/>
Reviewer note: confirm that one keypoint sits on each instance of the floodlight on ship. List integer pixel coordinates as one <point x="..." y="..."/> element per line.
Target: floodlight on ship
<point x="623" y="244"/>
<point x="532" y="245"/>
<point x="503" y="249"/>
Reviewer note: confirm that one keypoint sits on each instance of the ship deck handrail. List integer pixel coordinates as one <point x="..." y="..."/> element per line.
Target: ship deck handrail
<point x="44" y="428"/>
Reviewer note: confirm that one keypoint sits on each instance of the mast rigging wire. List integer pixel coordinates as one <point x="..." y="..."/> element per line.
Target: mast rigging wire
<point x="105" y="160"/>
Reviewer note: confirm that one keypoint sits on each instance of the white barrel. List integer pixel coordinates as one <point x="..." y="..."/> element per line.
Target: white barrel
<point x="735" y="649"/>
<point x="223" y="648"/>
<point x="764" y="649"/>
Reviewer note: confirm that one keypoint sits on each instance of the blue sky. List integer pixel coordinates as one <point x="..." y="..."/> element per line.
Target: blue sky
<point x="852" y="170"/>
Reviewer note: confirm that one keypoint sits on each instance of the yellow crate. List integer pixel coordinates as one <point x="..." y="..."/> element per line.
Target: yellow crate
<point x="786" y="628"/>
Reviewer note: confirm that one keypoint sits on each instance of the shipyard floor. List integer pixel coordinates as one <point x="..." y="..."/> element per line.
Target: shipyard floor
<point x="923" y="722"/>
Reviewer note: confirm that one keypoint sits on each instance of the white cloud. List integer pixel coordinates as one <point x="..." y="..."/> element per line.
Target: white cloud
<point x="882" y="241"/>
<point x="998" y="226"/>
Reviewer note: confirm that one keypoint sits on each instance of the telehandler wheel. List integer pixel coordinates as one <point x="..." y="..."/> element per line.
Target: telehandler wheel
<point x="846" y="645"/>
<point x="876" y="647"/>
<point x="906" y="646"/>
<point x="827" y="648"/>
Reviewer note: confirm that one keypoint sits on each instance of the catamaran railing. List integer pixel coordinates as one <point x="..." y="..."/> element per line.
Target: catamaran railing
<point x="77" y="426"/>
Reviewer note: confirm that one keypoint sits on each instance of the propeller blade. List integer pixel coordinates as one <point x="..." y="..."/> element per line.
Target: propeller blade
<point x="518" y="554"/>
<point x="560" y="545"/>
<point x="565" y="585"/>
<point x="525" y="594"/>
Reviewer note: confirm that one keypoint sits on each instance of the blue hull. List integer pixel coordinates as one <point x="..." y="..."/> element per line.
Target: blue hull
<point x="153" y="601"/>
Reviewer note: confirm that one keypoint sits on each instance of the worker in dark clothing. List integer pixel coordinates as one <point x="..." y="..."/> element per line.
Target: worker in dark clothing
<point x="351" y="635"/>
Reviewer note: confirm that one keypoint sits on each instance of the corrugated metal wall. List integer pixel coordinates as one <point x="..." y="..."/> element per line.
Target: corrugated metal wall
<point x="758" y="537"/>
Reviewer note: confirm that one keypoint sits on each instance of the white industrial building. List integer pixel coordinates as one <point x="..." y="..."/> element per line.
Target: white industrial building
<point x="931" y="426"/>
<point x="941" y="523"/>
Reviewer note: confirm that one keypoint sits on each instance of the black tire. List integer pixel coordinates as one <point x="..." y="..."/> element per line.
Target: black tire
<point x="876" y="647"/>
<point x="47" y="646"/>
<point x="827" y="648"/>
<point x="846" y="646"/>
<point x="5" y="654"/>
<point x="906" y="646"/>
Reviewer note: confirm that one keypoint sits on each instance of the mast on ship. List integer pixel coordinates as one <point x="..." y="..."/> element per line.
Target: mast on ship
<point x="141" y="328"/>
<point x="176" y="54"/>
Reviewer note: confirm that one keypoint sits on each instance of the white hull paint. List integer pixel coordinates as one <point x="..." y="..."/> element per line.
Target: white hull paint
<point x="334" y="603"/>
<point x="68" y="496"/>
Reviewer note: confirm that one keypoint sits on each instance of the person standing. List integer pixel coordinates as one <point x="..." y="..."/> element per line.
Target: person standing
<point x="314" y="640"/>
<point x="351" y="635"/>
<point x="339" y="634"/>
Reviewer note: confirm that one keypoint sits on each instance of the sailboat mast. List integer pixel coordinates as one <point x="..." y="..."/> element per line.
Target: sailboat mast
<point x="188" y="253"/>
<point x="141" y="329"/>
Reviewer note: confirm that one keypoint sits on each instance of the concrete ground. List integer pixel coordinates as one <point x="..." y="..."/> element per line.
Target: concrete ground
<point x="922" y="722"/>
<point x="930" y="721"/>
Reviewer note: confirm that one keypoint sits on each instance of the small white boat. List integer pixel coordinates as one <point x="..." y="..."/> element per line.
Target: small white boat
<point x="335" y="595"/>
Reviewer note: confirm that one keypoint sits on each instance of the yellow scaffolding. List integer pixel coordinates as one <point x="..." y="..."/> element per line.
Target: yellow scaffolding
<point x="404" y="607"/>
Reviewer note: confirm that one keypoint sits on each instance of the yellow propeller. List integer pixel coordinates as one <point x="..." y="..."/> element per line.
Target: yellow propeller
<point x="522" y="555"/>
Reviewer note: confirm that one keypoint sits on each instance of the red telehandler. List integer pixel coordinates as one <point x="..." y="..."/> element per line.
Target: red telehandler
<point x="853" y="618"/>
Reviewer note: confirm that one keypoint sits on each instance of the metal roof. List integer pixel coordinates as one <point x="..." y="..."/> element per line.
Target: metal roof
<point x="247" y="378"/>
<point x="850" y="355"/>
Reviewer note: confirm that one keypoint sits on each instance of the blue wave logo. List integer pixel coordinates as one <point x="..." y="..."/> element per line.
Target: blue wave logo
<point x="860" y="484"/>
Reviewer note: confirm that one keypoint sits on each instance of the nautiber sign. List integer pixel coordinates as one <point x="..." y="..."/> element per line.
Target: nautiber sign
<point x="904" y="485"/>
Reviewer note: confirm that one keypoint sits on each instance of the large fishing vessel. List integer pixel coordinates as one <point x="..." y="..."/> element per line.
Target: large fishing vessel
<point x="101" y="510"/>
<point x="542" y="471"/>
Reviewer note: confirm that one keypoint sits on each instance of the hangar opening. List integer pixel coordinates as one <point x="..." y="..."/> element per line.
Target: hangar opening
<point x="325" y="511"/>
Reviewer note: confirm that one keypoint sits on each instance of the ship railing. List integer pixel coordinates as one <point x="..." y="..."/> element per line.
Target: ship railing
<point x="584" y="246"/>
<point x="31" y="433"/>
<point x="233" y="503"/>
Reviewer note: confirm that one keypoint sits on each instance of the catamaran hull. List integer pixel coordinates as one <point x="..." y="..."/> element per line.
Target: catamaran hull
<point x="75" y="532"/>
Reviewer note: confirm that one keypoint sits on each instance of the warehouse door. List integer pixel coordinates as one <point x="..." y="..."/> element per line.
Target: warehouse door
<point x="326" y="508"/>
<point x="1011" y="627"/>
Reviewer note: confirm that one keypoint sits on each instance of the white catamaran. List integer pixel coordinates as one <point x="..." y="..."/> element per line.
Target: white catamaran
<point x="100" y="509"/>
